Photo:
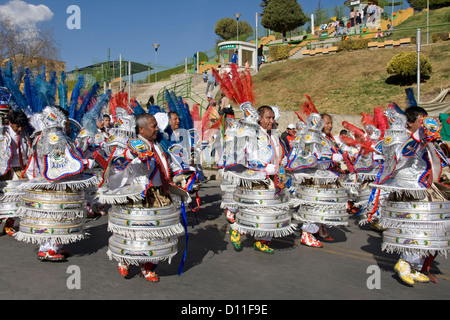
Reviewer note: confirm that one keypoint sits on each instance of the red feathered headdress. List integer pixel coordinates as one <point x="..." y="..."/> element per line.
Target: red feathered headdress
<point x="239" y="88"/>
<point x="361" y="139"/>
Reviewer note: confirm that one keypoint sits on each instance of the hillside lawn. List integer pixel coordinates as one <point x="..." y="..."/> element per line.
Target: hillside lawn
<point x="352" y="82"/>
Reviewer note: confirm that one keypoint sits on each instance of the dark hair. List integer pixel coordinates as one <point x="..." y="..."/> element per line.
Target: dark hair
<point x="19" y="118"/>
<point x="106" y="116"/>
<point x="171" y="113"/>
<point x="261" y="110"/>
<point x="413" y="112"/>
<point x="325" y="114"/>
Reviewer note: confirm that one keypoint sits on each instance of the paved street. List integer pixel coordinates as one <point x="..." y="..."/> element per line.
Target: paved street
<point x="214" y="271"/>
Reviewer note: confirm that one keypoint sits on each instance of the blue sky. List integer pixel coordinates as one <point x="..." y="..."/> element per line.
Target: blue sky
<point x="181" y="27"/>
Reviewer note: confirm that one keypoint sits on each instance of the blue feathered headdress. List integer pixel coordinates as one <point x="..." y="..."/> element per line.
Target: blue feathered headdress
<point x="410" y="98"/>
<point x="62" y="92"/>
<point x="74" y="97"/>
<point x="89" y="120"/>
<point x="18" y="100"/>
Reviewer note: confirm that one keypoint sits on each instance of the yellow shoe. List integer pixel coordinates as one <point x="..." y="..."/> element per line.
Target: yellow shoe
<point x="262" y="246"/>
<point x="235" y="238"/>
<point x="419" y="277"/>
<point x="376" y="226"/>
<point x="403" y="270"/>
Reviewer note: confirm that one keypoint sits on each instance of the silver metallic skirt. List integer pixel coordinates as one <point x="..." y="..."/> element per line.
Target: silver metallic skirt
<point x="143" y="234"/>
<point x="416" y="227"/>
<point x="327" y="205"/>
<point x="262" y="212"/>
<point x="50" y="215"/>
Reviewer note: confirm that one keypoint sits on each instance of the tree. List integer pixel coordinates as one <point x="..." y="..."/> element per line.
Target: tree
<point x="25" y="43"/>
<point x="283" y="16"/>
<point x="227" y="28"/>
<point x="434" y="4"/>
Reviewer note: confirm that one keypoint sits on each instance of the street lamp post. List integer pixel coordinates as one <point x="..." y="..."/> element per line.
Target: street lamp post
<point x="256" y="44"/>
<point x="418" y="42"/>
<point x="156" y="46"/>
<point x="237" y="15"/>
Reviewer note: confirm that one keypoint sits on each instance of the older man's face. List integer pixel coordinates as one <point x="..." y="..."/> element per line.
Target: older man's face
<point x="150" y="131"/>
<point x="328" y="125"/>
<point x="267" y="120"/>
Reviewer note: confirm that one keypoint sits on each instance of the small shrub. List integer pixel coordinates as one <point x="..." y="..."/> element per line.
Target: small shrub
<point x="353" y="45"/>
<point x="404" y="65"/>
<point x="440" y="36"/>
<point x="279" y="52"/>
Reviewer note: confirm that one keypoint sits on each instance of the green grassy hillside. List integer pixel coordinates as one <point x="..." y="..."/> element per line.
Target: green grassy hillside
<point x="353" y="82"/>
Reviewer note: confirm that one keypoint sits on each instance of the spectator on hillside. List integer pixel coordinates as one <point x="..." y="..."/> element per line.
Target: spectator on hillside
<point x="151" y="101"/>
<point x="341" y="28"/>
<point x="211" y="81"/>
<point x="288" y="136"/>
<point x="234" y="58"/>
<point x="389" y="30"/>
<point x="352" y="18"/>
<point x="379" y="33"/>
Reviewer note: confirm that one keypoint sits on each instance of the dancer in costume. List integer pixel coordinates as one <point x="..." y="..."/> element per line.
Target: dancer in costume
<point x="415" y="213"/>
<point x="91" y="141"/>
<point x="313" y="162"/>
<point x="252" y="161"/>
<point x="261" y="201"/>
<point x="144" y="217"/>
<point x="364" y="169"/>
<point x="53" y="205"/>
<point x="14" y="149"/>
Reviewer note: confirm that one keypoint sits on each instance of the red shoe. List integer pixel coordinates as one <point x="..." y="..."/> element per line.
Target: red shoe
<point x="309" y="240"/>
<point x="151" y="276"/>
<point x="148" y="273"/>
<point x="51" y="255"/>
<point x="323" y="233"/>
<point x="123" y="269"/>
<point x="229" y="215"/>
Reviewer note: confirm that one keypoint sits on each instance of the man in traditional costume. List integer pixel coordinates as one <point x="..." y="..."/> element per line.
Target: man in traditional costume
<point x="415" y="213"/>
<point x="144" y="217"/>
<point x="251" y="165"/>
<point x="14" y="149"/>
<point x="312" y="162"/>
<point x="365" y="167"/>
<point x="253" y="162"/>
<point x="53" y="205"/>
<point x="53" y="202"/>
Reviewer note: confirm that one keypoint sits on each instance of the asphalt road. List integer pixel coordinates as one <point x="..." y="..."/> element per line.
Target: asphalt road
<point x="351" y="268"/>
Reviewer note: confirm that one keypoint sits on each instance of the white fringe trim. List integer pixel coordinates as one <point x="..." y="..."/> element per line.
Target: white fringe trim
<point x="416" y="194"/>
<point x="138" y="260"/>
<point x="147" y="233"/>
<point x="389" y="248"/>
<point x="60" y="185"/>
<point x="325" y="222"/>
<point x="118" y="199"/>
<point x="55" y="215"/>
<point x="277" y="233"/>
<point x="38" y="239"/>
<point x="418" y="225"/>
<point x="323" y="205"/>
<point x="244" y="182"/>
